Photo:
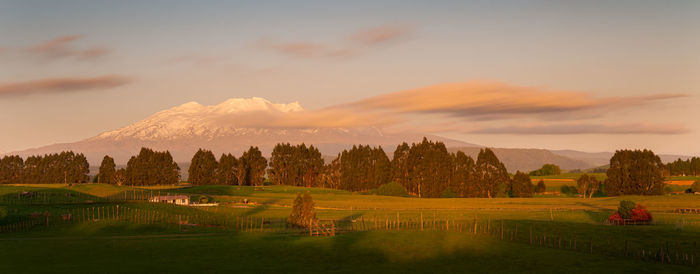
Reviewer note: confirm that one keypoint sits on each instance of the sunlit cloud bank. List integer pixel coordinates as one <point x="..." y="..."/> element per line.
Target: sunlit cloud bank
<point x="475" y="107"/>
<point x="480" y="100"/>
<point x="559" y="129"/>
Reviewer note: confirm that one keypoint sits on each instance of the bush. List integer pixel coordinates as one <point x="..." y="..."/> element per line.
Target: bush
<point x="540" y="188"/>
<point x="448" y="193"/>
<point x="391" y="189"/>
<point x="568" y="190"/>
<point x="546" y="169"/>
<point x="630" y="211"/>
<point x="695" y="187"/>
<point x="625" y="209"/>
<point x="303" y="211"/>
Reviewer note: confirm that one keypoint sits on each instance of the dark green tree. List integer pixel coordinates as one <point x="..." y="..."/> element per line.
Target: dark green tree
<point x="203" y="168"/>
<point x="11" y="169"/>
<point x="492" y="176"/>
<point x="635" y="172"/>
<point x="227" y="170"/>
<point x="295" y="165"/>
<point x="546" y="169"/>
<point x="107" y="171"/>
<point x="303" y="212"/>
<point x="521" y="185"/>
<point x="251" y="167"/>
<point x="363" y="168"/>
<point x="429" y="169"/>
<point x="152" y="168"/>
<point x="540" y="188"/>
<point x="464" y="181"/>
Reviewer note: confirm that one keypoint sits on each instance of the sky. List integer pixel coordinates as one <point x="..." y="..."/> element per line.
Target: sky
<point x="584" y="75"/>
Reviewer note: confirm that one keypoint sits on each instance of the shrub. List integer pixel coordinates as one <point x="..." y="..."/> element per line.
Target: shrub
<point x="625" y="208"/>
<point x="391" y="189"/>
<point x="695" y="187"/>
<point x="448" y="193"/>
<point x="540" y="188"/>
<point x="303" y="211"/>
<point x="568" y="190"/>
<point x="546" y="169"/>
<point x="630" y="211"/>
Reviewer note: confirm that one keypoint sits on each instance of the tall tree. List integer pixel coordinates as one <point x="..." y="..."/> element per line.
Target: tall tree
<point x="152" y="168"/>
<point x="635" y="172"/>
<point x="203" y="168"/>
<point x="295" y="165"/>
<point x="330" y="175"/>
<point x="464" y="175"/>
<point x="11" y="169"/>
<point x="251" y="167"/>
<point x="363" y="168"/>
<point x="521" y="185"/>
<point x="429" y="169"/>
<point x="399" y="164"/>
<point x="492" y="176"/>
<point x="107" y="171"/>
<point x="227" y="170"/>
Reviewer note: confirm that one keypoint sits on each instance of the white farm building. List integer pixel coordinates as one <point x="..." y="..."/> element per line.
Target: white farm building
<point x="173" y="199"/>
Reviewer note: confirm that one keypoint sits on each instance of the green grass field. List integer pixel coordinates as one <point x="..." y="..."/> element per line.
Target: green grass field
<point x="562" y="228"/>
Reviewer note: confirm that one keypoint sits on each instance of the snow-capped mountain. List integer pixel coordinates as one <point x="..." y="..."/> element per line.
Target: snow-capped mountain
<point x="231" y="126"/>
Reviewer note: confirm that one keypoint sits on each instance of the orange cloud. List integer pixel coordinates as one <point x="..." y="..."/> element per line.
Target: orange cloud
<point x="558" y="129"/>
<point x="61" y="85"/>
<point x="481" y="100"/>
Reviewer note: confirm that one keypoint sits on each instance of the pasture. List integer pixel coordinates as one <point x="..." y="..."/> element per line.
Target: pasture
<point x="374" y="233"/>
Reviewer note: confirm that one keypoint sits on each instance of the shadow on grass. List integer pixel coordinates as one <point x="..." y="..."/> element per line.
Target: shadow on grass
<point x="364" y="252"/>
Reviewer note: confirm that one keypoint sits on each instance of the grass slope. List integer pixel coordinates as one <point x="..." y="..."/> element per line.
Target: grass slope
<point x="366" y="252"/>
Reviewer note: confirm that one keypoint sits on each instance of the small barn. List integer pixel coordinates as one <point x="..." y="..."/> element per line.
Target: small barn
<point x="171" y="199"/>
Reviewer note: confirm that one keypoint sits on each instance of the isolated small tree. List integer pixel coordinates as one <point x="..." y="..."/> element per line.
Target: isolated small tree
<point x="546" y="169"/>
<point x="587" y="185"/>
<point x="521" y="185"/>
<point x="540" y="188"/>
<point x="625" y="208"/>
<point x="593" y="186"/>
<point x="303" y="211"/>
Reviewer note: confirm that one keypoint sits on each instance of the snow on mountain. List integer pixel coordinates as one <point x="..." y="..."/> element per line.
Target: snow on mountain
<point x="231" y="126"/>
<point x="193" y="119"/>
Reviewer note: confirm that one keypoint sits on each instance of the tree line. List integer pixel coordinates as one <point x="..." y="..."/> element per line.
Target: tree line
<point x="688" y="167"/>
<point x="57" y="168"/>
<point x="424" y="169"/>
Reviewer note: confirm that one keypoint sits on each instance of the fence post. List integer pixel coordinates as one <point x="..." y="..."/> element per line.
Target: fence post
<point x="501" y="229"/>
<point x="421" y="220"/>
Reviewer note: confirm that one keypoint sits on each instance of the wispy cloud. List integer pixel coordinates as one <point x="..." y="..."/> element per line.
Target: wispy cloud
<point x="354" y="44"/>
<point x="61" y="85"/>
<point x="381" y="34"/>
<point x="564" y="129"/>
<point x="63" y="47"/>
<point x="482" y="100"/>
